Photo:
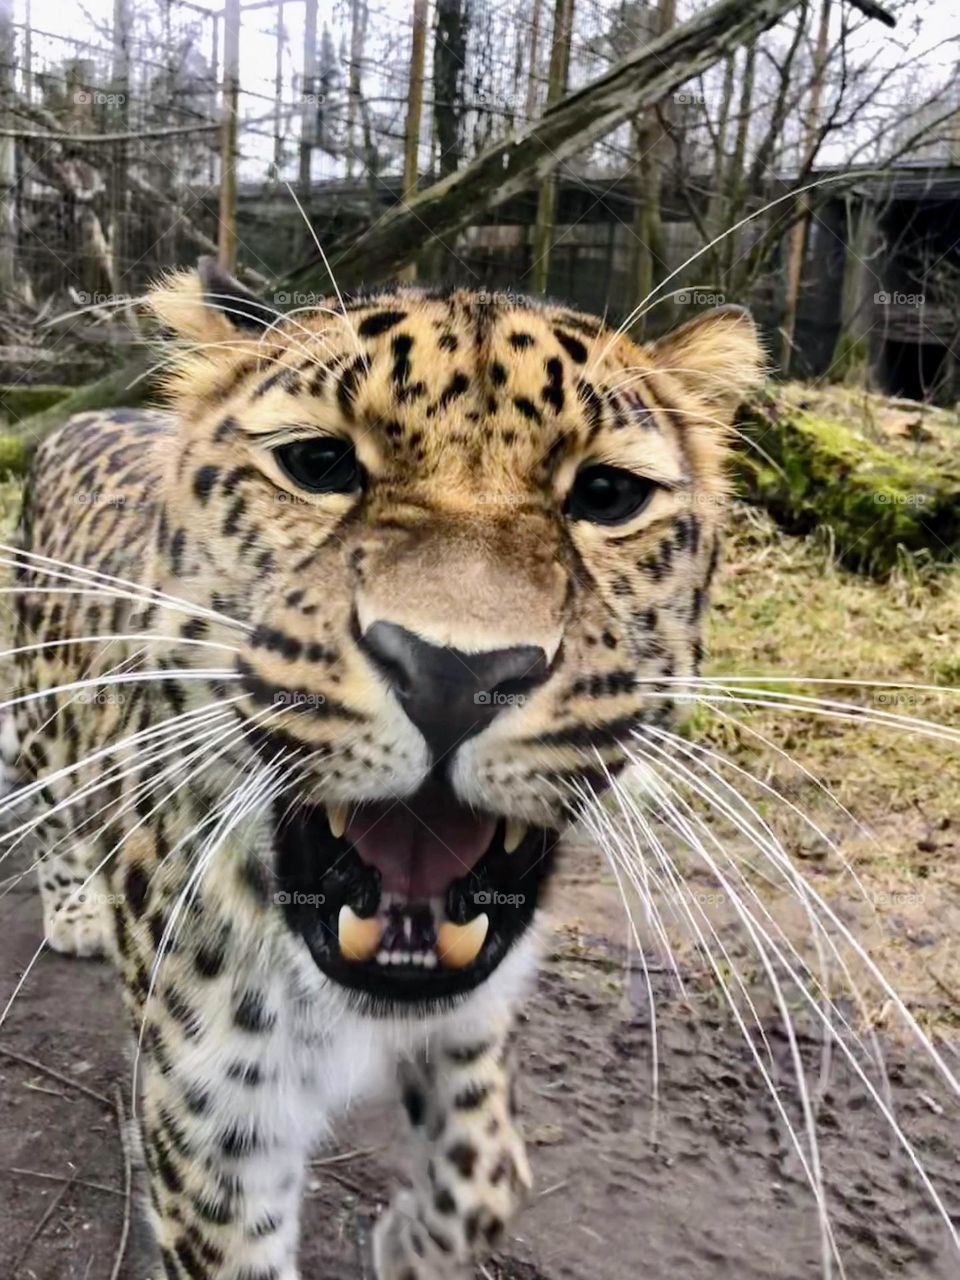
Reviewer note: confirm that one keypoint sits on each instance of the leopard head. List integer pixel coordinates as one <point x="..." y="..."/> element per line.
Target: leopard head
<point x="469" y="542"/>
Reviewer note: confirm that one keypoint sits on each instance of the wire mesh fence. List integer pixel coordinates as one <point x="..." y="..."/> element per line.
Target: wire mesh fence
<point x="112" y="159"/>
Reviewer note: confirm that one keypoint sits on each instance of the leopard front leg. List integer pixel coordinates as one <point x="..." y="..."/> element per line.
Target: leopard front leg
<point x="225" y="1178"/>
<point x="471" y="1172"/>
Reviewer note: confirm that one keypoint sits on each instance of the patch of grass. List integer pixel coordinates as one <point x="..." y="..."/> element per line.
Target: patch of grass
<point x="783" y="608"/>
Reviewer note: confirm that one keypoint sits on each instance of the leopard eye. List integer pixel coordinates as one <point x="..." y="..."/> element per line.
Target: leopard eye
<point x="608" y="495"/>
<point x="321" y="464"/>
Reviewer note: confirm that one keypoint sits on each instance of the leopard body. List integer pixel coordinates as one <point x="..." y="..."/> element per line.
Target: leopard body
<point x="192" y="625"/>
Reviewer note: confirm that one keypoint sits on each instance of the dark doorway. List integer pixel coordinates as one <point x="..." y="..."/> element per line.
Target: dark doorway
<point x="912" y="369"/>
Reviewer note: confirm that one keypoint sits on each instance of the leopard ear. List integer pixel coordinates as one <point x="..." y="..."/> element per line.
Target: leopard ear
<point x="208" y="305"/>
<point x="717" y="357"/>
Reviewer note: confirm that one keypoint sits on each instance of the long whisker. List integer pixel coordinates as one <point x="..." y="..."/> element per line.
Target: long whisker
<point x="595" y="828"/>
<point x="146" y="677"/>
<point x="755" y="928"/>
<point x="811" y="1168"/>
<point x="39" y="645"/>
<point x="803" y="888"/>
<point x="688" y="748"/>
<point x="850" y="713"/>
<point x="813" y="1171"/>
<point x="75" y="893"/>
<point x="228" y="814"/>
<point x="326" y="264"/>
<point x="742" y="815"/>
<point x="181" y="737"/>
<point x="861" y="827"/>
<point x="107" y="778"/>
<point x="133" y="590"/>
<point x="143" y="735"/>
<point x="631" y="856"/>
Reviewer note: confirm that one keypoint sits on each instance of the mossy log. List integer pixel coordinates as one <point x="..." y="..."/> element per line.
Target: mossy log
<point x="18" y="402"/>
<point x="128" y="386"/>
<point x="812" y="471"/>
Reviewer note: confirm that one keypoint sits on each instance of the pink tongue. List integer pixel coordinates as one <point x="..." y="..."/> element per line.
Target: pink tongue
<point x="420" y="845"/>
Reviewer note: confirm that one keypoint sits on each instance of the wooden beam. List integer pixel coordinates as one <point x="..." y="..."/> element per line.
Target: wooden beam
<point x="227" y="238"/>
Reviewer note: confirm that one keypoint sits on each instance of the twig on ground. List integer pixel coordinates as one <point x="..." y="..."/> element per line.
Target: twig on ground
<point x="55" y="1075"/>
<point x="60" y="1177"/>
<point x="631" y="965"/>
<point x="555" y="1186"/>
<point x="38" y="1088"/>
<point x="41" y="1224"/>
<point x="343" y="1156"/>
<point x="349" y="1184"/>
<point x="948" y="991"/>
<point x="127" y="1184"/>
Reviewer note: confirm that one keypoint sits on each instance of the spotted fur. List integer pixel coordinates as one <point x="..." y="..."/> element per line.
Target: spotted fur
<point x="471" y="420"/>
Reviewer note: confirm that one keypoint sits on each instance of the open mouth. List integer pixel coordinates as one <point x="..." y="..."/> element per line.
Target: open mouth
<point x="409" y="900"/>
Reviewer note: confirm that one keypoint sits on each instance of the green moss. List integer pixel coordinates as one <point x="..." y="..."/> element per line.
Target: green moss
<point x="819" y="472"/>
<point x="14" y="455"/>
<point x="849" y="357"/>
<point x="17" y="402"/>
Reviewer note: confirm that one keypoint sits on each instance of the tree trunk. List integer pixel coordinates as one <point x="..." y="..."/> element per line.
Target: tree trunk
<point x="227" y="239"/>
<point x="714" y="220"/>
<point x="277" y="165"/>
<point x="411" y="137"/>
<point x="648" y="248"/>
<point x="8" y="155"/>
<point x="799" y="232"/>
<point x="449" y="60"/>
<point x="733" y="178"/>
<point x="850" y="362"/>
<point x="810" y="470"/>
<point x="358" y="36"/>
<point x="556" y="88"/>
<point x="120" y="122"/>
<point x="530" y="105"/>
<point x="308" y="97"/>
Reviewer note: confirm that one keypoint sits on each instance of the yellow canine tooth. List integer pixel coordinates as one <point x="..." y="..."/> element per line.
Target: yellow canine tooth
<point x="359" y="938"/>
<point x="459" y="944"/>
<point x="337" y="815"/>
<point x="513" y="833"/>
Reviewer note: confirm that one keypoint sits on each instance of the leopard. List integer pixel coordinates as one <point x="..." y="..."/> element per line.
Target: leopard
<point x="317" y="663"/>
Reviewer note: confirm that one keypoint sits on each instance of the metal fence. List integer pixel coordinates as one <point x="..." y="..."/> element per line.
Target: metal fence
<point x="115" y="167"/>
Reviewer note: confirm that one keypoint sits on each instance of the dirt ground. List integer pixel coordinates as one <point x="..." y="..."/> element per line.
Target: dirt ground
<point x="718" y="1192"/>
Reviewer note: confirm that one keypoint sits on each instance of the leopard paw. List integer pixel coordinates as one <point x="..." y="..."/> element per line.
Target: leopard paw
<point x="440" y="1234"/>
<point x="76" y="929"/>
<point x="405" y="1248"/>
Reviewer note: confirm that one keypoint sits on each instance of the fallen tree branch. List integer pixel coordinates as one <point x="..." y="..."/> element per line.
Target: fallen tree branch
<point x="92" y="139"/>
<point x="642" y="79"/>
<point x="128" y="386"/>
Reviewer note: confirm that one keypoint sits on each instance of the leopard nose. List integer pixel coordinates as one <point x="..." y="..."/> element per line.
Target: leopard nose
<point x="448" y="694"/>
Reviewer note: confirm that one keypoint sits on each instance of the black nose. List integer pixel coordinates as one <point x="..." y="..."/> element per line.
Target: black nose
<point x="448" y="694"/>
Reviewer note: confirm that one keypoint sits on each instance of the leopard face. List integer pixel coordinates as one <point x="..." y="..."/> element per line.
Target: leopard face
<point x="470" y="545"/>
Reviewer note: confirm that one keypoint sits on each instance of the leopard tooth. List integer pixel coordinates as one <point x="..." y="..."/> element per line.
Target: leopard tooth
<point x="337" y="815"/>
<point x="513" y="834"/>
<point x="459" y="944"/>
<point x="359" y="938"/>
